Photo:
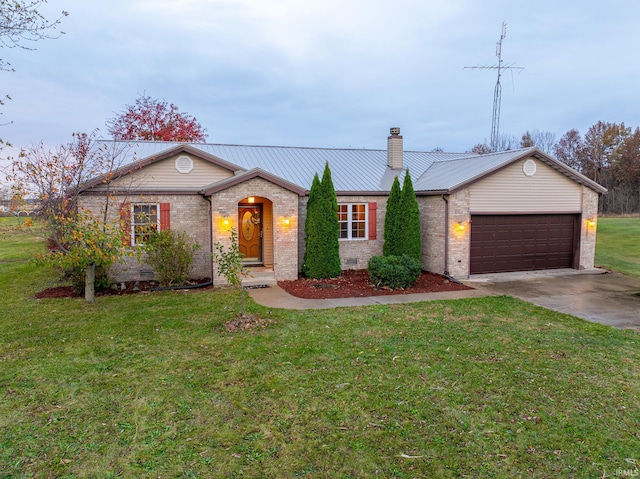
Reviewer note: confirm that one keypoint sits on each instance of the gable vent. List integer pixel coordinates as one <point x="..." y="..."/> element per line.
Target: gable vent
<point x="184" y="164"/>
<point x="529" y="167"/>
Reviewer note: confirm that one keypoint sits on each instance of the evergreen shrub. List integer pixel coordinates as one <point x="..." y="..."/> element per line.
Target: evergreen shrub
<point x="395" y="272"/>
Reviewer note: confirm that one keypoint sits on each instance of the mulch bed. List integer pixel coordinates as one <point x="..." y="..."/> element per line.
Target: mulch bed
<point x="355" y="283"/>
<point x="351" y="283"/>
<point x="120" y="289"/>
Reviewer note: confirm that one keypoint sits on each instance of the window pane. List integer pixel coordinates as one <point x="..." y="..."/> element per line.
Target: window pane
<point x="358" y="212"/>
<point x="342" y="212"/>
<point x="145" y="221"/>
<point x="344" y="230"/>
<point x="358" y="230"/>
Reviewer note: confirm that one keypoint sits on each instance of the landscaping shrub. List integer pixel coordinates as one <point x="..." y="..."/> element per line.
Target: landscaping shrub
<point x="322" y="249"/>
<point x="170" y="254"/>
<point x="393" y="222"/>
<point x="402" y="221"/>
<point x="394" y="272"/>
<point x="411" y="226"/>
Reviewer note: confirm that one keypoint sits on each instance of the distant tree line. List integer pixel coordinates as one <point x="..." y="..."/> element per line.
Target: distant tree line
<point x="608" y="153"/>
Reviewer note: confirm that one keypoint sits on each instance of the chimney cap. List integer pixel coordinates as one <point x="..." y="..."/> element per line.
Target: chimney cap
<point x="394" y="130"/>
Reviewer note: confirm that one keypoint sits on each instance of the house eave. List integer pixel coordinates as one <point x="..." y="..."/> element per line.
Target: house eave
<point x="248" y="175"/>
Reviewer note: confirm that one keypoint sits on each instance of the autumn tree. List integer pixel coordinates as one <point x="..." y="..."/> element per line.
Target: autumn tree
<point x="481" y="149"/>
<point x="569" y="148"/>
<point x="79" y="242"/>
<point x="21" y="25"/>
<point x="156" y="120"/>
<point x="601" y="146"/>
<point x="543" y="140"/>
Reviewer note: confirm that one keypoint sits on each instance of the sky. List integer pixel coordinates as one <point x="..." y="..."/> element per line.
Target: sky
<point x="329" y="73"/>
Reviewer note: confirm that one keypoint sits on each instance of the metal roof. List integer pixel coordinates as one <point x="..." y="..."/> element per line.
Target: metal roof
<point x="352" y="170"/>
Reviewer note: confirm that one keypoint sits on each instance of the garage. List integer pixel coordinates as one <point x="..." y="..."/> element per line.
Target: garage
<point x="525" y="242"/>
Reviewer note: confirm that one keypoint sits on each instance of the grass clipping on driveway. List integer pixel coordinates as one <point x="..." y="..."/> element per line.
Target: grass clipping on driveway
<point x="154" y="385"/>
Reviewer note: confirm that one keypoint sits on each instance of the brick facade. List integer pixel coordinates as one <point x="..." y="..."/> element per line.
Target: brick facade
<point x="354" y="254"/>
<point x="284" y="238"/>
<point x="433" y="214"/>
<point x="587" y="230"/>
<point x="187" y="212"/>
<point x="287" y="241"/>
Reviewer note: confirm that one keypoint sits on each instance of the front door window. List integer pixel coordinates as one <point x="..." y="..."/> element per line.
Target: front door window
<point x="250" y="234"/>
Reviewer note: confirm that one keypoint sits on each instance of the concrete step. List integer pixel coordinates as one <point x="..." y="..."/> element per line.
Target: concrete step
<point x="259" y="277"/>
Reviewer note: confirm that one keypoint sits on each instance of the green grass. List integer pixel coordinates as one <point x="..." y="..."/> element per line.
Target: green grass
<point x="618" y="244"/>
<point x="154" y="386"/>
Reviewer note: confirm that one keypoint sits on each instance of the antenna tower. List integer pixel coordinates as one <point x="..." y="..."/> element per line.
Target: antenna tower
<point x="497" y="93"/>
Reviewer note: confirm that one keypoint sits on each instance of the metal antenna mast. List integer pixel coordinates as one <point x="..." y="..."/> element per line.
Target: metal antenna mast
<point x="497" y="93"/>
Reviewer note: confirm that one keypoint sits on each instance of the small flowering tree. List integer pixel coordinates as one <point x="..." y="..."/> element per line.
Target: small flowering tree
<point x="230" y="265"/>
<point x="85" y="244"/>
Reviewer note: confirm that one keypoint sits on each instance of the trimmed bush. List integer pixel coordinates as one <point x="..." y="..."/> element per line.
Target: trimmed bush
<point x="411" y="241"/>
<point x="395" y="272"/>
<point x="170" y="254"/>
<point x="393" y="222"/>
<point x="322" y="249"/>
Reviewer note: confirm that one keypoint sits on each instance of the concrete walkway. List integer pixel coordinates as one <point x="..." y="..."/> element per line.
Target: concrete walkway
<point x="276" y="297"/>
<point x="594" y="295"/>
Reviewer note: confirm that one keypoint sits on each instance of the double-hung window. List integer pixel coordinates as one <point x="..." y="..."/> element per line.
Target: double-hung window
<point x="352" y="219"/>
<point x="144" y="221"/>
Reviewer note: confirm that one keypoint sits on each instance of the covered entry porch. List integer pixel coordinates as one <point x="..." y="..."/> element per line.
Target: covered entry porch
<point x="263" y="212"/>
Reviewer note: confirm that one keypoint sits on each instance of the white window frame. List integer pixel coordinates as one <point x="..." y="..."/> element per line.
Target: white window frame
<point x="349" y="221"/>
<point x="134" y="223"/>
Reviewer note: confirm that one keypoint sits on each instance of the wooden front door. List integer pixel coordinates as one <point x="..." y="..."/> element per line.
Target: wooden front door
<point x="250" y="233"/>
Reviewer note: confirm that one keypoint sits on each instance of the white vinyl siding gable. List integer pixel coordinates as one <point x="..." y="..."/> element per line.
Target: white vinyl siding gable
<point x="163" y="175"/>
<point x="511" y="190"/>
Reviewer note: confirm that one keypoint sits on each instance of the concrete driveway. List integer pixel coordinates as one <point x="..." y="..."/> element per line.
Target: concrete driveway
<point x="595" y="295"/>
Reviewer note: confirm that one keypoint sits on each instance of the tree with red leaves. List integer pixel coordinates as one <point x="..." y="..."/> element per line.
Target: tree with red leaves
<point x="156" y="120"/>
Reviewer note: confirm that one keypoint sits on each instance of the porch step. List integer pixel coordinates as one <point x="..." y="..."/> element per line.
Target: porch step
<point x="259" y="277"/>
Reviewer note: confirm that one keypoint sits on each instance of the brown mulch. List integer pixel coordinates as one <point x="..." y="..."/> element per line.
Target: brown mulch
<point x="355" y="283"/>
<point x="351" y="283"/>
<point x="120" y="289"/>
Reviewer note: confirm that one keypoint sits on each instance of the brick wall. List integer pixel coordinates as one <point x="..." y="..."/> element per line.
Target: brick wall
<point x="354" y="254"/>
<point x="189" y="213"/>
<point x="433" y="217"/>
<point x="284" y="203"/>
<point x="587" y="232"/>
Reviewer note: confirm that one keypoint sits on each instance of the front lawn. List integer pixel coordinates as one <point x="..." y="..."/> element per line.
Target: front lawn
<point x="153" y="385"/>
<point x="618" y="244"/>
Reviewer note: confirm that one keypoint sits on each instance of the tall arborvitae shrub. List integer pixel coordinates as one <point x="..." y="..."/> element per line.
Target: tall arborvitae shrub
<point x="411" y="242"/>
<point x="332" y="244"/>
<point x="311" y="228"/>
<point x="393" y="222"/>
<point x="322" y="250"/>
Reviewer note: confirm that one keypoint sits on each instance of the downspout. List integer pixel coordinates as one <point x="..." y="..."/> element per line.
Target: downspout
<point x="208" y="198"/>
<point x="446" y="242"/>
<point x="446" y="235"/>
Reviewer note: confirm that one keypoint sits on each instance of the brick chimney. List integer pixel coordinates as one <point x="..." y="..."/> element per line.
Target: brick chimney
<point x="394" y="149"/>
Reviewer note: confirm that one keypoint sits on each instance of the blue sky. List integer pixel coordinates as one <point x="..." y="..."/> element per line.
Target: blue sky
<point x="330" y="73"/>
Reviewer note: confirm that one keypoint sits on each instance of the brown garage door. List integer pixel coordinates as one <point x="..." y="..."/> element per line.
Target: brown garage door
<point x="501" y="243"/>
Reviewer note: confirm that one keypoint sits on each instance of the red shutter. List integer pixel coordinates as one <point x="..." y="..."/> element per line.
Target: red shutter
<point x="165" y="216"/>
<point x="125" y="223"/>
<point x="373" y="208"/>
